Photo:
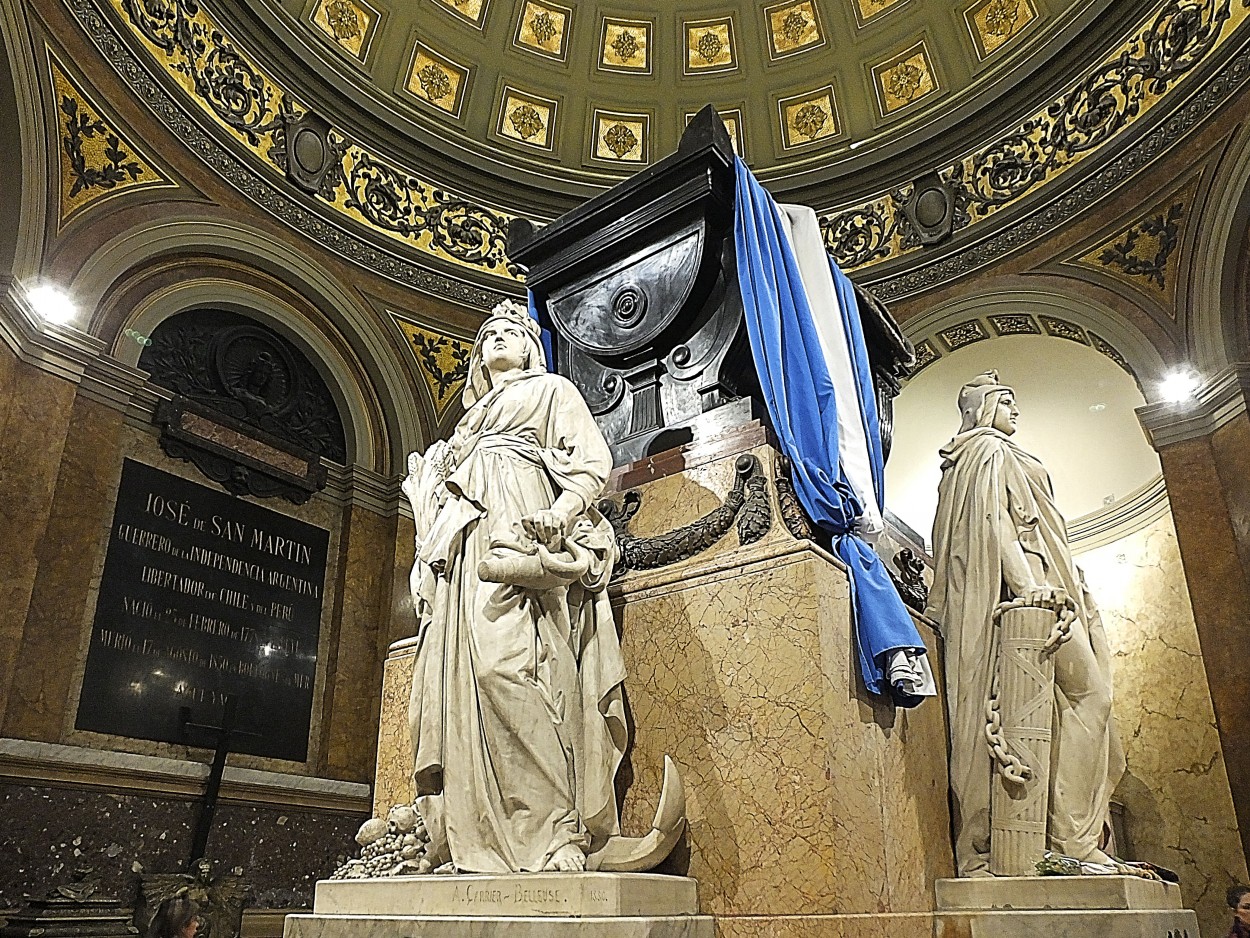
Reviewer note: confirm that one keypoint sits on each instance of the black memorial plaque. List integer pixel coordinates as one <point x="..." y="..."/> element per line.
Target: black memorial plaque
<point x="204" y="596"/>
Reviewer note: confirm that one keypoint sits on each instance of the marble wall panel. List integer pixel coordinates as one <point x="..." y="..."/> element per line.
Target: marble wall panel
<point x="48" y="832"/>
<point x="82" y="504"/>
<point x="1177" y="803"/>
<point x="34" y="412"/>
<point x="355" y="673"/>
<point x="393" y="780"/>
<point x="743" y="670"/>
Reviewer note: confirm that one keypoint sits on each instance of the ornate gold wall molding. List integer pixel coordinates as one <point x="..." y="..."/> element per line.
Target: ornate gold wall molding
<point x="1090" y="118"/>
<point x="442" y="361"/>
<point x="220" y="77"/>
<point x="96" y="161"/>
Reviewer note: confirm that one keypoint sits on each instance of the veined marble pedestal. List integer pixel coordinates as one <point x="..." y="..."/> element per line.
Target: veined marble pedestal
<point x="534" y="905"/>
<point x="1061" y="907"/>
<point x="813" y="806"/>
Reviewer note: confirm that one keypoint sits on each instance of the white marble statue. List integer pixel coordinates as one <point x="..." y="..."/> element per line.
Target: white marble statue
<point x="517" y="714"/>
<point x="998" y="536"/>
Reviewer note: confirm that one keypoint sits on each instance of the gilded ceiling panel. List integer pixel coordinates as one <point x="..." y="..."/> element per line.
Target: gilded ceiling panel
<point x="437" y="80"/>
<point x="544" y="28"/>
<point x="992" y="23"/>
<point x="792" y="27"/>
<point x="621" y="138"/>
<point x="867" y="9"/>
<point x="709" y="46"/>
<point x="350" y="24"/>
<point x="527" y="118"/>
<point x="96" y="161"/>
<point x="904" y="79"/>
<point x="808" y="117"/>
<point x="626" y="46"/>
<point x="732" y="119"/>
<point x="472" y="10"/>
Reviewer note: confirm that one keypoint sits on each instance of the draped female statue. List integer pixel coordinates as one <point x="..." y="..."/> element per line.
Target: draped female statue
<point x="998" y="536"/>
<point x="516" y="711"/>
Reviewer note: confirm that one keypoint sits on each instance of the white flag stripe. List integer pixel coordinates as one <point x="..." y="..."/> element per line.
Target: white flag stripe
<point x="803" y="231"/>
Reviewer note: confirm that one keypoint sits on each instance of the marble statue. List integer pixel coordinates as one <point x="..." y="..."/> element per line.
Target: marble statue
<point x="517" y="712"/>
<point x="1000" y="542"/>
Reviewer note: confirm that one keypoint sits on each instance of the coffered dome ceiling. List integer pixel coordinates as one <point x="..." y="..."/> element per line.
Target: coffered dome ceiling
<point x="910" y="125"/>
<point x="584" y="93"/>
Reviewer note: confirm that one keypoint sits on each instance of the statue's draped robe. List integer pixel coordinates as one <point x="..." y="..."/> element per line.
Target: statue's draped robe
<point x="984" y="478"/>
<point x="517" y="713"/>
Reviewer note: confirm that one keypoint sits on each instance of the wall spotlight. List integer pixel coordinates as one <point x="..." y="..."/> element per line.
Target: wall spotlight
<point x="52" y="304"/>
<point x="1179" y="385"/>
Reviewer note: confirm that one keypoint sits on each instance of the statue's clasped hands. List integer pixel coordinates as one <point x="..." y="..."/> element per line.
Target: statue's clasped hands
<point x="547" y="527"/>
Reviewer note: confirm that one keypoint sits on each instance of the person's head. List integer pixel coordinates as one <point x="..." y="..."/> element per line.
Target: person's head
<point x="508" y="340"/>
<point x="175" y="918"/>
<point x="1239" y="901"/>
<point x="983" y="402"/>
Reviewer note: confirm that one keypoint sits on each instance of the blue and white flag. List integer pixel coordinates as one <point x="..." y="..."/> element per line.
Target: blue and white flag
<point x="808" y="345"/>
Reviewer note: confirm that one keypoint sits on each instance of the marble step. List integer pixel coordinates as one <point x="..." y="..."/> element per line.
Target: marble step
<point x="1067" y="923"/>
<point x="476" y="926"/>
<point x="1056" y="892"/>
<point x="574" y="895"/>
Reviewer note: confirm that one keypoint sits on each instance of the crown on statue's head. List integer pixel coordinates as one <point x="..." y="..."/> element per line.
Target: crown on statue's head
<point x="515" y="312"/>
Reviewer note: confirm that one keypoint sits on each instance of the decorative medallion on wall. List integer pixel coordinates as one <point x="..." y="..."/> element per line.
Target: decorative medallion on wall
<point x="904" y="79"/>
<point x="992" y="23"/>
<point x="709" y="46"/>
<point x="808" y="117"/>
<point x="442" y="360"/>
<point x="792" y="27"/>
<point x="866" y="10"/>
<point x="1008" y="324"/>
<point x="437" y="80"/>
<point x="625" y="46"/>
<point x="544" y="28"/>
<point x="620" y="138"/>
<point x="732" y="119"/>
<point x="96" y="162"/>
<point x="350" y="24"/>
<point x="253" y="377"/>
<point x="474" y="11"/>
<point x="527" y="118"/>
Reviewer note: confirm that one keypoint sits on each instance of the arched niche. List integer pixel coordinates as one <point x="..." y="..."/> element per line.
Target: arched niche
<point x="23" y="147"/>
<point x="1077" y="393"/>
<point x="355" y="405"/>
<point x="372" y="384"/>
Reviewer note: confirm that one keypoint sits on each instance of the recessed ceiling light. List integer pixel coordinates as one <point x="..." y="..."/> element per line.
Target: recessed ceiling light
<point x="1179" y="385"/>
<point x="1097" y="408"/>
<point x="52" y="304"/>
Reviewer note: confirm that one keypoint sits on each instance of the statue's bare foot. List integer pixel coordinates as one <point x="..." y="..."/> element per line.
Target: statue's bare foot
<point x="567" y="859"/>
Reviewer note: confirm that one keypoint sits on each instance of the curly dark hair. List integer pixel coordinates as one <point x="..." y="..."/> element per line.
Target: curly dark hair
<point x="1234" y="895"/>
<point x="172" y="917"/>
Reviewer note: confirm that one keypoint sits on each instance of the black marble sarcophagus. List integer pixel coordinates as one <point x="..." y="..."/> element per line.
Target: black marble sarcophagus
<point x="641" y="287"/>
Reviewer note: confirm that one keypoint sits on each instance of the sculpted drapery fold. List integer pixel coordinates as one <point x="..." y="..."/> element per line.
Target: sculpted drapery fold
<point x="998" y="535"/>
<point x="517" y="711"/>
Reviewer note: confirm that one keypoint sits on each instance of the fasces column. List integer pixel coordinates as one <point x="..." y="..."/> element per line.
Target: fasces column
<point x="1204" y="447"/>
<point x="1020" y="738"/>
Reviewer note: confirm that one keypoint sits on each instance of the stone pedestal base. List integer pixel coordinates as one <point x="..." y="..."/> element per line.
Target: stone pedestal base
<point x="1061" y="907"/>
<point x="535" y="905"/>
